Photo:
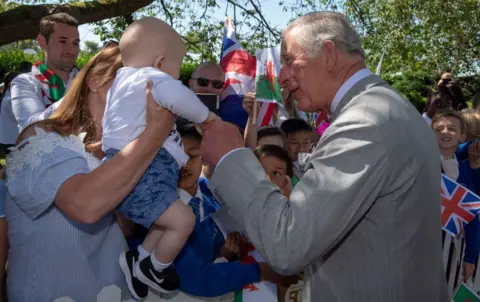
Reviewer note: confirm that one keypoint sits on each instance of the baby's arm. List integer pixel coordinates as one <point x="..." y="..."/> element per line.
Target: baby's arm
<point x="176" y="97"/>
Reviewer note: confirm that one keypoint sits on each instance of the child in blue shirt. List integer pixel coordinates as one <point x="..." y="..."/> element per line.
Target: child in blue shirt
<point x="198" y="275"/>
<point x="449" y="128"/>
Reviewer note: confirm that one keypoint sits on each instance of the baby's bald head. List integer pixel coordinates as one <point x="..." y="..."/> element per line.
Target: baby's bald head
<point x="150" y="42"/>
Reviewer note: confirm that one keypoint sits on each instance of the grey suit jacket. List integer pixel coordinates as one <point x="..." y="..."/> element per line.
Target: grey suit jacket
<point x="364" y="221"/>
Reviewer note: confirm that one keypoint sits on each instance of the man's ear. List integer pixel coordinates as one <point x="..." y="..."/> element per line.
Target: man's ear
<point x="42" y="42"/>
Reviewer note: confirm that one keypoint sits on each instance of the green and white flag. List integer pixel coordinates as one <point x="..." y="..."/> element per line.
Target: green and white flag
<point x="268" y="70"/>
<point x="263" y="291"/>
<point x="465" y="294"/>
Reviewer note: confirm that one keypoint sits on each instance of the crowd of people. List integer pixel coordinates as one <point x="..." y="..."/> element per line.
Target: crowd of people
<point x="117" y="174"/>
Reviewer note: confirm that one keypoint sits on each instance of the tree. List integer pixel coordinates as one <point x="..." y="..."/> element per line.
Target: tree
<point x="20" y="22"/>
<point x="420" y="38"/>
<point x="91" y="47"/>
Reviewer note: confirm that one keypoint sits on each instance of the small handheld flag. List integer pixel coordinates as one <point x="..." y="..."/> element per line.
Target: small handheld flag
<point x="263" y="291"/>
<point x="268" y="69"/>
<point x="465" y="294"/>
<point x="459" y="205"/>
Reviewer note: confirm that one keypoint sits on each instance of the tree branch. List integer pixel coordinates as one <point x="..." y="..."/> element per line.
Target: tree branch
<point x="167" y="12"/>
<point x="275" y="33"/>
<point x="22" y="22"/>
<point x="265" y="23"/>
<point x="361" y="15"/>
<point x="206" y="8"/>
<point x="194" y="44"/>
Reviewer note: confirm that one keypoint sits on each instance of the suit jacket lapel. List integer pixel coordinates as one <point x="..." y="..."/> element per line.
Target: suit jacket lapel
<point x="359" y="87"/>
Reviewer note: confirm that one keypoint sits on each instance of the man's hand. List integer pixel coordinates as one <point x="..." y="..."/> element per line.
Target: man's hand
<point x="268" y="274"/>
<point x="287" y="188"/>
<point x="218" y="139"/>
<point x="474" y="155"/>
<point x="468" y="269"/>
<point x="232" y="246"/>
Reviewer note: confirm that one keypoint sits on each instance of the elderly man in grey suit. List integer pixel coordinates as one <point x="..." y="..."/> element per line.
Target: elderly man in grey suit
<point x="364" y="220"/>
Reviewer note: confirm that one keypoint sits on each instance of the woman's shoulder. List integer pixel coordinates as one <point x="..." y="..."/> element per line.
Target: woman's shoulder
<point x="39" y="143"/>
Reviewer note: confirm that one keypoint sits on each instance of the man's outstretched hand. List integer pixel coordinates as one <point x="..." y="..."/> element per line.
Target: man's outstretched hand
<point x="218" y="139"/>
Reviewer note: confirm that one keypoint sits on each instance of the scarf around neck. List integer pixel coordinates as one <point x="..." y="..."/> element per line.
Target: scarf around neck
<point x="53" y="87"/>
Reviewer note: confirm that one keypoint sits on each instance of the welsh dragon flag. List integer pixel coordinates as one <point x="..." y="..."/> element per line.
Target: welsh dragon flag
<point x="263" y="291"/>
<point x="239" y="67"/>
<point x="268" y="69"/>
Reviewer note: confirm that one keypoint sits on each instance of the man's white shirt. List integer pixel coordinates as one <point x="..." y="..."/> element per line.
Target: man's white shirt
<point x="28" y="104"/>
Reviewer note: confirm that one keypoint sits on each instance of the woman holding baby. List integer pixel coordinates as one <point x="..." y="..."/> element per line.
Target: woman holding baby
<point x="64" y="241"/>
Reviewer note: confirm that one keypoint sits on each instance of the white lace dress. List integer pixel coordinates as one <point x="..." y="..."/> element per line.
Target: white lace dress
<point x="51" y="256"/>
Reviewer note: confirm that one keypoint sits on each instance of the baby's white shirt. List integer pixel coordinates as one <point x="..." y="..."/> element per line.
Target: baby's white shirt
<point x="124" y="117"/>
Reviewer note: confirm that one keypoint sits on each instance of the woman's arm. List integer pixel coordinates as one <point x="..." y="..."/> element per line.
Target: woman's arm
<point x="89" y="197"/>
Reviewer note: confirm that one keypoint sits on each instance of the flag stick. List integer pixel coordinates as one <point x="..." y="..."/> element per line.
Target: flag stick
<point x="255" y="112"/>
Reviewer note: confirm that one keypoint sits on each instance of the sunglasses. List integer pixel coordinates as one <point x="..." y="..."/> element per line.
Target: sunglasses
<point x="203" y="82"/>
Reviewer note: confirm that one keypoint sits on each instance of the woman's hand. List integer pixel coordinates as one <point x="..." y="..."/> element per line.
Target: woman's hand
<point x="87" y="198"/>
<point x="156" y="116"/>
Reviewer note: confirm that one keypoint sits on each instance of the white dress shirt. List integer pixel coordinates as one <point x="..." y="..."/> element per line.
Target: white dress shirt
<point x="450" y="167"/>
<point x="186" y="198"/>
<point x="354" y="79"/>
<point x="28" y="105"/>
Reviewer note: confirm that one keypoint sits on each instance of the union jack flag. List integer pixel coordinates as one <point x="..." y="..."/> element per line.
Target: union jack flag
<point x="240" y="69"/>
<point x="459" y="205"/>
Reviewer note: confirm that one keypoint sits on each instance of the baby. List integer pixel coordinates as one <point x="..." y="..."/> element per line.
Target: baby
<point x="152" y="50"/>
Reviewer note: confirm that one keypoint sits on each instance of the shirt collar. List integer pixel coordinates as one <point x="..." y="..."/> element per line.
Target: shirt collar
<point x="186" y="197"/>
<point x="443" y="159"/>
<point x="354" y="79"/>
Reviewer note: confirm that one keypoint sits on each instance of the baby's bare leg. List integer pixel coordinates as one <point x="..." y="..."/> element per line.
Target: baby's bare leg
<point x="177" y="223"/>
<point x="152" y="238"/>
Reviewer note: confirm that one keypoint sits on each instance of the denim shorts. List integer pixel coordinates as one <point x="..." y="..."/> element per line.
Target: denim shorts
<point x="154" y="193"/>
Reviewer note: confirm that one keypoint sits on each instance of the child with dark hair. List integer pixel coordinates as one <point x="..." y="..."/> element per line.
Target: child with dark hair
<point x="199" y="275"/>
<point x="298" y="134"/>
<point x="270" y="135"/>
<point x="278" y="166"/>
<point x="449" y="128"/>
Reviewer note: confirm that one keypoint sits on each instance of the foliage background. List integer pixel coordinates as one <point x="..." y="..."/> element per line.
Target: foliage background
<point x="421" y="39"/>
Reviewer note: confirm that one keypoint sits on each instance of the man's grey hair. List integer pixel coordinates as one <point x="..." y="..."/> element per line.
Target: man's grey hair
<point x="314" y="28"/>
<point x="203" y="65"/>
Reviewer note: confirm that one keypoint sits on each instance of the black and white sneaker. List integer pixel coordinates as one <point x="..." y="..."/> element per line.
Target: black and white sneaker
<point x="127" y="262"/>
<point x="165" y="281"/>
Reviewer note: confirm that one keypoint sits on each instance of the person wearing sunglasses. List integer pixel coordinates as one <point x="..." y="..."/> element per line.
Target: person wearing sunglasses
<point x="208" y="78"/>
